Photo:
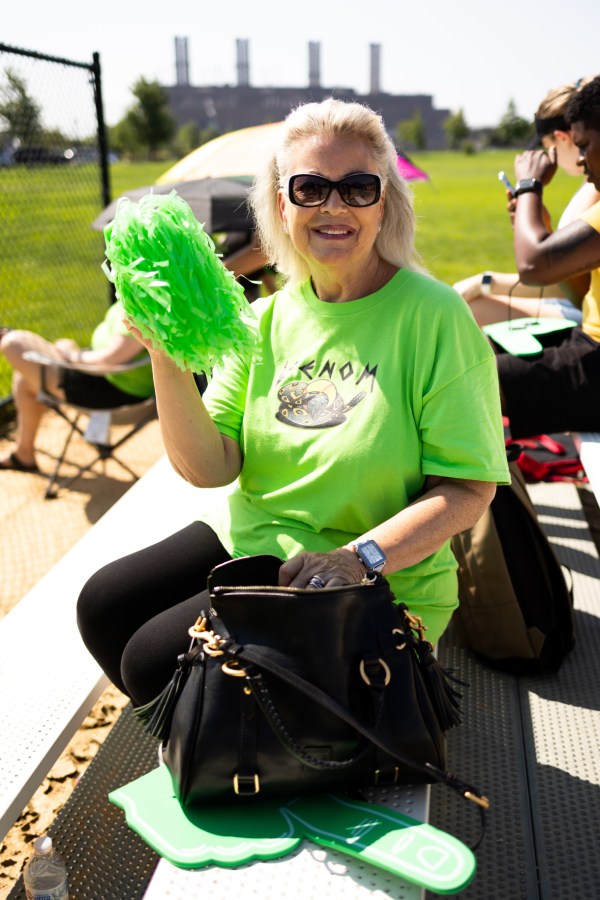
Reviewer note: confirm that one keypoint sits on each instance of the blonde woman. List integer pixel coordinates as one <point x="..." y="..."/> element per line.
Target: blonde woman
<point x="367" y="437"/>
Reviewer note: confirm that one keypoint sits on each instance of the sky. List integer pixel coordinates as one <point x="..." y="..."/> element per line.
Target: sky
<point x="463" y="53"/>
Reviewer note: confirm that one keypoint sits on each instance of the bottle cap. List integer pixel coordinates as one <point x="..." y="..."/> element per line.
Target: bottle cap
<point x="43" y="845"/>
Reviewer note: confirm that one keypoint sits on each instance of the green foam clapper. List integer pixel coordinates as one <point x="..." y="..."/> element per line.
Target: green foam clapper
<point x="233" y="835"/>
<point x="519" y="336"/>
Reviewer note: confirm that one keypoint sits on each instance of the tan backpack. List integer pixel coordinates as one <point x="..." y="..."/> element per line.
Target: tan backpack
<point x="515" y="607"/>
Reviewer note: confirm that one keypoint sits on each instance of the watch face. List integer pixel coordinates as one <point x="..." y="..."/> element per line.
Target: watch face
<point x="372" y="555"/>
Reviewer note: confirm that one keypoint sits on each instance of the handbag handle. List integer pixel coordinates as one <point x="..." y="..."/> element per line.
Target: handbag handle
<point x="263" y="697"/>
<point x="254" y="656"/>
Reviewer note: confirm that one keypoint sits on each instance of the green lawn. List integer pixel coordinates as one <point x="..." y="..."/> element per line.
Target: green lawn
<point x="50" y="276"/>
<point x="462" y="224"/>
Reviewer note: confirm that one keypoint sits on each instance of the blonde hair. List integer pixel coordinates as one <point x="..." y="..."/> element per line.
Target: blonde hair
<point x="335" y="118"/>
<point x="556" y="101"/>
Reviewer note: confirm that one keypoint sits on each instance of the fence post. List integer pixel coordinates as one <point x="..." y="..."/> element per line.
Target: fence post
<point x="102" y="147"/>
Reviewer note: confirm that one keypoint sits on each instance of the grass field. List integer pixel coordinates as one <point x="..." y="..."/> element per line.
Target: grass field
<point x="50" y="274"/>
<point x="462" y="225"/>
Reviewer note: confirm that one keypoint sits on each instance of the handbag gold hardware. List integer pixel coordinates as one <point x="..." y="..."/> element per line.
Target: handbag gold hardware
<point x="233" y="668"/>
<point x="384" y="666"/>
<point x="236" y="785"/>
<point x="483" y="802"/>
<point x="212" y="642"/>
<point x="416" y="623"/>
<point x="403" y="644"/>
<point x="198" y="628"/>
<point x="386" y="781"/>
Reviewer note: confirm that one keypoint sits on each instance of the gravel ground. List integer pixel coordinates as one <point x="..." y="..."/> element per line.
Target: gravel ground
<point x="35" y="535"/>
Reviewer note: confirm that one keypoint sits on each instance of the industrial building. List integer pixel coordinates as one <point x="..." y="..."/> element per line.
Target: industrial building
<point x="229" y="107"/>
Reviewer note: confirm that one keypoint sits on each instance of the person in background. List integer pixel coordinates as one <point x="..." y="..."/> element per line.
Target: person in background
<point x="558" y="390"/>
<point x="246" y="260"/>
<point x="366" y="438"/>
<point x="111" y="345"/>
<point x="493" y="296"/>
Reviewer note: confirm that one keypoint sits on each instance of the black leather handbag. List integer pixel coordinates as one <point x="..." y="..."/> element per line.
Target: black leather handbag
<point x="286" y="691"/>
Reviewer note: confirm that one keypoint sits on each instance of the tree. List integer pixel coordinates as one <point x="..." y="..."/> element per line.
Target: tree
<point x="411" y="132"/>
<point x="457" y="130"/>
<point x="187" y="139"/>
<point x="190" y="136"/>
<point x="124" y="140"/>
<point x="513" y="130"/>
<point x="150" y="120"/>
<point x="19" y="110"/>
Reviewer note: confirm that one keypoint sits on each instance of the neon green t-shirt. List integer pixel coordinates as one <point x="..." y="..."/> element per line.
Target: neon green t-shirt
<point x="353" y="405"/>
<point x="137" y="382"/>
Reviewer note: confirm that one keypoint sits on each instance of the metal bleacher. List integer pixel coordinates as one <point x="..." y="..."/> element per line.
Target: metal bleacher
<point x="532" y="744"/>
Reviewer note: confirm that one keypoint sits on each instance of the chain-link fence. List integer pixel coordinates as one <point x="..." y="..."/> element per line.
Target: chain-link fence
<point x="53" y="183"/>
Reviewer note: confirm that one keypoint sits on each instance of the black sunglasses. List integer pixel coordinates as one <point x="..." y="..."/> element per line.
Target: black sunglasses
<point x="362" y="189"/>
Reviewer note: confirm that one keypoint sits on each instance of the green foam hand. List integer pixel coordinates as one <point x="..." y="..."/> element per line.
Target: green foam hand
<point x="173" y="286"/>
<point x="520" y="336"/>
<point x="234" y="834"/>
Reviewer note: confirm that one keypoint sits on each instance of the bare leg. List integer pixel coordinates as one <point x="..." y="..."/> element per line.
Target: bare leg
<point x="497" y="308"/>
<point x="26" y="384"/>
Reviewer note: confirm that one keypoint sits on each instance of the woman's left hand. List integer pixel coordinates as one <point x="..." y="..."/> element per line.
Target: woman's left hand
<point x="333" y="569"/>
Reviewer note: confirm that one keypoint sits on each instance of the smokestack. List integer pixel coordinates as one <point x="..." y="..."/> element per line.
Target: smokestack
<point x="243" y="65"/>
<point x="375" y="68"/>
<point x="182" y="70"/>
<point x="314" y="64"/>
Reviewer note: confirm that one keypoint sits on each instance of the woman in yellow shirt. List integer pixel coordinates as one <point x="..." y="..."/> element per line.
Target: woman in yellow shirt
<point x="559" y="389"/>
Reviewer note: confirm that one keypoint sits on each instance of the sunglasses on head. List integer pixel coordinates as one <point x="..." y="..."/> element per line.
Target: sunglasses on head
<point x="362" y="189"/>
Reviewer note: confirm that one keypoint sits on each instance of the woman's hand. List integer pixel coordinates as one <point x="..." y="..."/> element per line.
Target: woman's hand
<point x="536" y="164"/>
<point x="334" y="569"/>
<point x="137" y="334"/>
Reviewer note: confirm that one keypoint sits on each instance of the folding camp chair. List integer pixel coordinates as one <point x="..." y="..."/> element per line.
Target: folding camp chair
<point x="97" y="430"/>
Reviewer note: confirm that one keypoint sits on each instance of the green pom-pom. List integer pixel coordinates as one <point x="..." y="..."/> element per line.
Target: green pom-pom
<point x="174" y="287"/>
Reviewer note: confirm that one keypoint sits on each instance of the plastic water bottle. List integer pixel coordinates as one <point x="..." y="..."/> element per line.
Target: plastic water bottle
<point x="45" y="874"/>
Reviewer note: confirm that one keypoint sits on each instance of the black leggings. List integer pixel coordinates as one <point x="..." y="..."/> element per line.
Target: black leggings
<point x="134" y="613"/>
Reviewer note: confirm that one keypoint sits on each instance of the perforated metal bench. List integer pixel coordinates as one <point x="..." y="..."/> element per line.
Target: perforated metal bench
<point x="50" y="682"/>
<point x="530" y="743"/>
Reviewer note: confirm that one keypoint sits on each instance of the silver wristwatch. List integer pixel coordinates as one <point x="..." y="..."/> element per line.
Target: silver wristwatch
<point x="371" y="555"/>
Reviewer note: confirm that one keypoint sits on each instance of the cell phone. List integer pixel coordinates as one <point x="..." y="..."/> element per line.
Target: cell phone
<point x="502" y="177"/>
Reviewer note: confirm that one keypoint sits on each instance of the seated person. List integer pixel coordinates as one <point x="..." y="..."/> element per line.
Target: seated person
<point x="558" y="390"/>
<point x="248" y="263"/>
<point x="363" y="354"/>
<point x="492" y="298"/>
<point x="111" y="345"/>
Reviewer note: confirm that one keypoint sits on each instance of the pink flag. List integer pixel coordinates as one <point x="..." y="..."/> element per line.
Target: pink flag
<point x="408" y="170"/>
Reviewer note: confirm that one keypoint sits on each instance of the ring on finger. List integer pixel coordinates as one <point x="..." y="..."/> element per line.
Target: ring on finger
<point x="316" y="581"/>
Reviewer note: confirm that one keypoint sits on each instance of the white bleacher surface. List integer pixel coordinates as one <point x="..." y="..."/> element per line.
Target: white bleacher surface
<point x="49" y="680"/>
<point x="589" y="451"/>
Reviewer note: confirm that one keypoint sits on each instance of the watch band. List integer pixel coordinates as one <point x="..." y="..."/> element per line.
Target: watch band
<point x="528" y="186"/>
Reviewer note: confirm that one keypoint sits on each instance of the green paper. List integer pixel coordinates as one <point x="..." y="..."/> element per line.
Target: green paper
<point x="518" y="336"/>
<point x="236" y="834"/>
<point x="173" y="286"/>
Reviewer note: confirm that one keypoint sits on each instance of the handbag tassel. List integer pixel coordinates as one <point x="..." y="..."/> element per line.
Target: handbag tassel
<point x="157" y="714"/>
<point x="445" y="698"/>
